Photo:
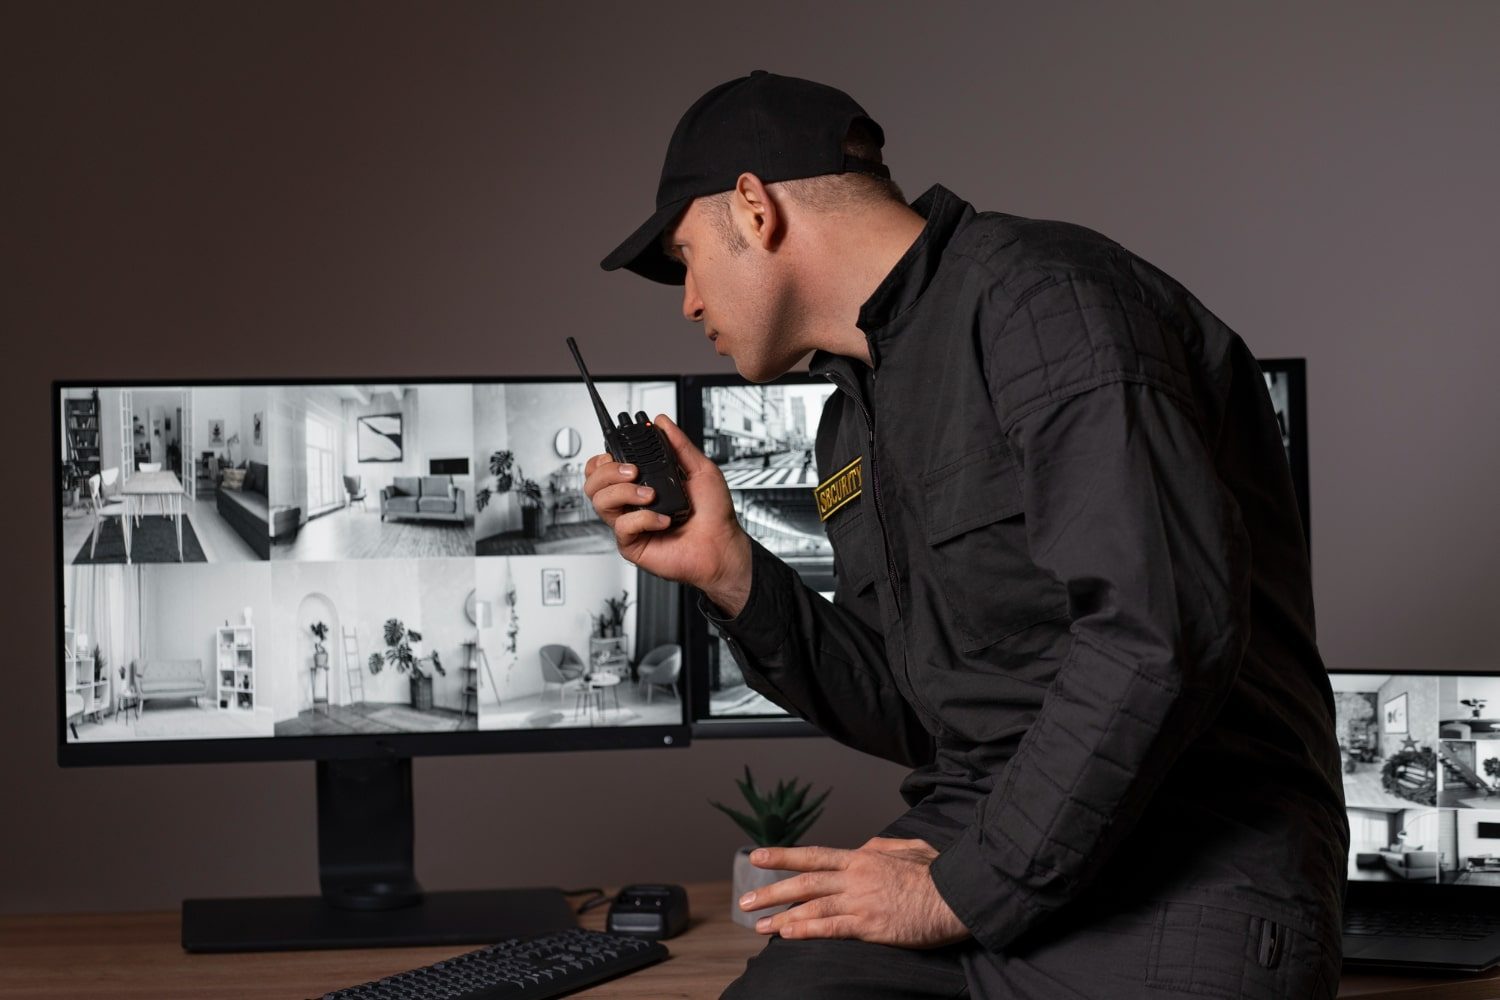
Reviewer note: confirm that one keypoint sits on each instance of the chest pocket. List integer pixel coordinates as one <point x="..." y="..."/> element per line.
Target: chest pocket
<point x="855" y="555"/>
<point x="976" y="530"/>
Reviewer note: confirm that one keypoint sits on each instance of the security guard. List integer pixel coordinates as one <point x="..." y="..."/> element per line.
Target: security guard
<point x="1073" y="590"/>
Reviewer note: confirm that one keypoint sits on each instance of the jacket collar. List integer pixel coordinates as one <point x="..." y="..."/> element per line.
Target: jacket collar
<point x="906" y="282"/>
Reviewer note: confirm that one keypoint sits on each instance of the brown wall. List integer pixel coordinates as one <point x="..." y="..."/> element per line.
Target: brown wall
<point x="215" y="190"/>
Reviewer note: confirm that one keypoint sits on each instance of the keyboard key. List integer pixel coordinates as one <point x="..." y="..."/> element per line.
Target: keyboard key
<point x="534" y="968"/>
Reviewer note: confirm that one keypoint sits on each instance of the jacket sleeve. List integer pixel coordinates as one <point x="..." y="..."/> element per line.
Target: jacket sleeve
<point x="819" y="661"/>
<point x="1123" y="505"/>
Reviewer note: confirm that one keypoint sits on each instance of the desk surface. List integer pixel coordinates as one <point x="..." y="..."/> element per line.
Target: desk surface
<point x="139" y="956"/>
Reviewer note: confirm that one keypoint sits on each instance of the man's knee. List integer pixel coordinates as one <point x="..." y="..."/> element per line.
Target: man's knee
<point x="842" y="969"/>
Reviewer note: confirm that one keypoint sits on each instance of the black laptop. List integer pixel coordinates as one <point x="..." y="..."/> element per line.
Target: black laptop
<point x="1421" y="762"/>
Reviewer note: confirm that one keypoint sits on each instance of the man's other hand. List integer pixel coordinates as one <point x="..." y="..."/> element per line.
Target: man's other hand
<point x="882" y="893"/>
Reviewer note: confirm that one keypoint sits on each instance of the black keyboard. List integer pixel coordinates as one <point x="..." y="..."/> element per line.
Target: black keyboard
<point x="1405" y="922"/>
<point x="523" y="968"/>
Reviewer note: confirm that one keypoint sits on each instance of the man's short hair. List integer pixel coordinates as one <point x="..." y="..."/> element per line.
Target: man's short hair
<point x="833" y="192"/>
<point x="825" y="193"/>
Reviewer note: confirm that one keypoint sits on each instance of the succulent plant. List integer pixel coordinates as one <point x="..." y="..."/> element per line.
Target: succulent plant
<point x="781" y="818"/>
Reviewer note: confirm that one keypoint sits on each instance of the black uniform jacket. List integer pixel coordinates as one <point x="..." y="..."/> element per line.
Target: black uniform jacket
<point x="1071" y="576"/>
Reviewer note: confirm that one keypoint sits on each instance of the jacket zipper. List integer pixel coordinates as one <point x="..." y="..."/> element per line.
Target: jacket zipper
<point x="890" y="565"/>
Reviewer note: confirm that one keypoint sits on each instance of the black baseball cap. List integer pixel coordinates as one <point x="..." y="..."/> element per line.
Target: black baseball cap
<point x="779" y="128"/>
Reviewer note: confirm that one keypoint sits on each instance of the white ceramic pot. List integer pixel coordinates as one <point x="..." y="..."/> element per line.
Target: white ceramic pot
<point x="746" y="877"/>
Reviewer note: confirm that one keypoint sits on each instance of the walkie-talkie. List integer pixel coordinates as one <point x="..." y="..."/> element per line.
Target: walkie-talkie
<point x="642" y="444"/>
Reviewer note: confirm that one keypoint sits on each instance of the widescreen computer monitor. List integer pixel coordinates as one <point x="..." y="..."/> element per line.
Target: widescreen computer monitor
<point x="354" y="572"/>
<point x="761" y="435"/>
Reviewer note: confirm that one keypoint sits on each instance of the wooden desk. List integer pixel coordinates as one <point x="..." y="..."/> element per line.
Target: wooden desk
<point x="139" y="956"/>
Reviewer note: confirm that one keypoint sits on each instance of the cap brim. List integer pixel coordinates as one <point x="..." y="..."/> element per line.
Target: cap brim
<point x="642" y="252"/>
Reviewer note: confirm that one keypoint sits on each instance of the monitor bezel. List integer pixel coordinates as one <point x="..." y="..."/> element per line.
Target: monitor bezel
<point x="354" y="746"/>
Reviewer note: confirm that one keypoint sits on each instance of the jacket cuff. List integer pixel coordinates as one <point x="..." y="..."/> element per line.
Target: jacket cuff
<point x="995" y="914"/>
<point x="760" y="627"/>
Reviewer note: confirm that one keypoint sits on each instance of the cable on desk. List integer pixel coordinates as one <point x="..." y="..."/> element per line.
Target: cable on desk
<point x="599" y="898"/>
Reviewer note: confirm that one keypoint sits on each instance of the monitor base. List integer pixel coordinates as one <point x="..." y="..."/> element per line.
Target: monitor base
<point x="300" y="923"/>
<point x="371" y="897"/>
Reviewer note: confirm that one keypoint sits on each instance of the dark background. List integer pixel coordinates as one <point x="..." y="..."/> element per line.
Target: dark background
<point x="257" y="190"/>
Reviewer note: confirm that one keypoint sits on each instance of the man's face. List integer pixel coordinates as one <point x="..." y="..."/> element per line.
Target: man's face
<point x="736" y="292"/>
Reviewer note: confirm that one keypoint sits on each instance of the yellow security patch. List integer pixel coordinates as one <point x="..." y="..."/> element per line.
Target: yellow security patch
<point x="838" y="489"/>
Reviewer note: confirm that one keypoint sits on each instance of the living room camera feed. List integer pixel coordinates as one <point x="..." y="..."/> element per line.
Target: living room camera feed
<point x="578" y="640"/>
<point x="1421" y="777"/>
<point x="166" y="652"/>
<point x="372" y="614"/>
<point x="372" y="646"/>
<point x="363" y="471"/>
<point x="163" y="474"/>
<point x="531" y="442"/>
<point x="761" y="437"/>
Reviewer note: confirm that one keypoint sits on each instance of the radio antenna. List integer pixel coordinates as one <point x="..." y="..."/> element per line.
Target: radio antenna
<point x="604" y="422"/>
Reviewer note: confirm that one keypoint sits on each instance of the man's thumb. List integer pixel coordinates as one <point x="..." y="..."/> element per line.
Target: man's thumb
<point x="689" y="456"/>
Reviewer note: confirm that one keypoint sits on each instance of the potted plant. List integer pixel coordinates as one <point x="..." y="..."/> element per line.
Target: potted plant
<point x="72" y="475"/>
<point x="320" y="655"/>
<point x="612" y="621"/>
<point x="1477" y="704"/>
<point x="403" y="651"/>
<point x="510" y="479"/>
<point x="780" y="820"/>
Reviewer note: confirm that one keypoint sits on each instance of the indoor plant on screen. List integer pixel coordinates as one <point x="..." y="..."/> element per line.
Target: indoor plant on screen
<point x="403" y="649"/>
<point x="780" y="819"/>
<point x="320" y="653"/>
<point x="510" y="479"/>
<point x="320" y="659"/>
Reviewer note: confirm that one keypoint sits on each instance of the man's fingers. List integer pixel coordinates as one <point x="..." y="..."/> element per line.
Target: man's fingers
<point x="593" y="463"/>
<point x="802" y="859"/>
<point x="797" y="889"/>
<point x="842" y="925"/>
<point x="825" y="906"/>
<point x="689" y="457"/>
<point x="630" y="527"/>
<point x="607" y="473"/>
<point x="621" y="498"/>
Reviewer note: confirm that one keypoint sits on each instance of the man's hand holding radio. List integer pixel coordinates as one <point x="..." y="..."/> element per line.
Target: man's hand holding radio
<point x="709" y="550"/>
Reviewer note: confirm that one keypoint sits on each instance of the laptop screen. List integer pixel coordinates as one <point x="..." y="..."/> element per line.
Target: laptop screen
<point x="1421" y="768"/>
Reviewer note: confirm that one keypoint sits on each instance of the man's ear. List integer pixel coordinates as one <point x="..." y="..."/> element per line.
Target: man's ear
<point x="756" y="213"/>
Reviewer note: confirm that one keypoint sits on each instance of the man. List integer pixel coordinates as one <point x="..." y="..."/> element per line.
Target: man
<point x="1072" y="593"/>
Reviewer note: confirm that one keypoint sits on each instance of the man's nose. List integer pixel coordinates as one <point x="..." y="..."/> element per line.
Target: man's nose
<point x="692" y="306"/>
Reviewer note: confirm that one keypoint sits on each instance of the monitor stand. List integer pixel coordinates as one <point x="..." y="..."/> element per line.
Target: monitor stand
<point x="370" y="897"/>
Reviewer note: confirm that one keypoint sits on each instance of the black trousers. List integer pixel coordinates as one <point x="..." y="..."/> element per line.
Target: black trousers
<point x="1108" y="950"/>
<point x="1162" y="951"/>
